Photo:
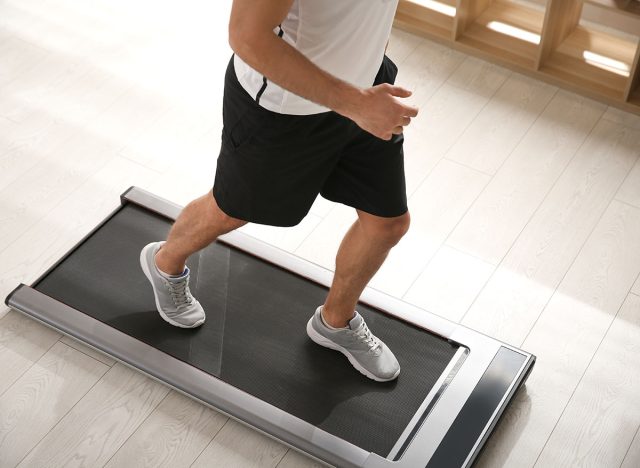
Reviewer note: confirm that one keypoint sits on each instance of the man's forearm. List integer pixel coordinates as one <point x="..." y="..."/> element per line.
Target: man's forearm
<point x="288" y="68"/>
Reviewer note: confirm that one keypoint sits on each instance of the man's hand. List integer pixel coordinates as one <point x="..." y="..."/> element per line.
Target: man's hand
<point x="380" y="112"/>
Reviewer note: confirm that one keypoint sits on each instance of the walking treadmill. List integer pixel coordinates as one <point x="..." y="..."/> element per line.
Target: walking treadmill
<point x="253" y="361"/>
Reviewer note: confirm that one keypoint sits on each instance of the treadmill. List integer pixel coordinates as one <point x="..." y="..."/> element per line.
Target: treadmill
<point x="253" y="361"/>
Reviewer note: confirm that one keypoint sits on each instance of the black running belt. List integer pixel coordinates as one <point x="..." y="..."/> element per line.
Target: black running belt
<point x="254" y="337"/>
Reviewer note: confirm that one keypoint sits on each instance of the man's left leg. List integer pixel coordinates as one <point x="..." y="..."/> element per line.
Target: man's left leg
<point x="336" y="324"/>
<point x="361" y="253"/>
<point x="369" y="174"/>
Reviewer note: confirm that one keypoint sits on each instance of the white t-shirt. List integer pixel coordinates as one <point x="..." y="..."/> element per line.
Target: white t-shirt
<point x="346" y="38"/>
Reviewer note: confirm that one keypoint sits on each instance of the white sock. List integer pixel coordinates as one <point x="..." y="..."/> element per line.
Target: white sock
<point x="329" y="326"/>
<point x="167" y="275"/>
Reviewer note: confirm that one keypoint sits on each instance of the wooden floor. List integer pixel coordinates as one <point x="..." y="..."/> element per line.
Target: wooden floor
<point x="525" y="202"/>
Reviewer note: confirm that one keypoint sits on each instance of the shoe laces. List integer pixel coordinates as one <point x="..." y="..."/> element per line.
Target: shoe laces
<point x="367" y="337"/>
<point x="180" y="293"/>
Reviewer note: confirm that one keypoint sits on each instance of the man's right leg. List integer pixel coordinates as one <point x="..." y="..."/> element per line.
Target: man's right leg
<point x="163" y="263"/>
<point x="199" y="224"/>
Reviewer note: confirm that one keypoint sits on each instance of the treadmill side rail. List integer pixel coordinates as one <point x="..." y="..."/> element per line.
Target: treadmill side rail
<point x="152" y="202"/>
<point x="8" y="301"/>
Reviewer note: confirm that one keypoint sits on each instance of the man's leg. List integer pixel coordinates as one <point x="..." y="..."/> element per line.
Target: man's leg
<point x="361" y="253"/>
<point x="198" y="225"/>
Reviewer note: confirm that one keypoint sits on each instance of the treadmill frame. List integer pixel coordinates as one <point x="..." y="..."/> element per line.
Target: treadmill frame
<point x="418" y="443"/>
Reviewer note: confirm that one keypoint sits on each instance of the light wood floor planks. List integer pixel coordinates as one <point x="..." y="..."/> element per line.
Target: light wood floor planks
<point x="174" y="435"/>
<point x="63" y="375"/>
<point x="566" y="335"/>
<point x="525" y="203"/>
<point x="632" y="457"/>
<point x="539" y="258"/>
<point x="630" y="190"/>
<point x="505" y="207"/>
<point x="238" y="445"/>
<point x="636" y="287"/>
<point x="605" y="401"/>
<point x="97" y="426"/>
<point x="500" y="126"/>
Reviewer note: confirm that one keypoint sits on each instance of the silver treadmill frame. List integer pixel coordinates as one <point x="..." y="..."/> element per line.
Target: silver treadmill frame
<point x="445" y="400"/>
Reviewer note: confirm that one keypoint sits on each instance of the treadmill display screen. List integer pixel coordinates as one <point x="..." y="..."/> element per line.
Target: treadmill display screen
<point x="254" y="337"/>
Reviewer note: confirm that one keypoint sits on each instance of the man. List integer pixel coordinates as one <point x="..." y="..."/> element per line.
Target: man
<point x="309" y="107"/>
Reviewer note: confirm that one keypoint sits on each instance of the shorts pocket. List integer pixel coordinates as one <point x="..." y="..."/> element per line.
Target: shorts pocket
<point x="242" y="130"/>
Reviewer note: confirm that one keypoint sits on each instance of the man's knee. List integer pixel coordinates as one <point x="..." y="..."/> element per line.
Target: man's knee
<point x="386" y="230"/>
<point x="228" y="223"/>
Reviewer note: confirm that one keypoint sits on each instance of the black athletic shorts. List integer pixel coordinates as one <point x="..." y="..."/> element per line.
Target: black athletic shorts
<point x="272" y="166"/>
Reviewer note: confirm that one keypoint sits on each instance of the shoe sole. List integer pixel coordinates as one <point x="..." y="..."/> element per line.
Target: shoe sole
<point x="322" y="341"/>
<point x="147" y="273"/>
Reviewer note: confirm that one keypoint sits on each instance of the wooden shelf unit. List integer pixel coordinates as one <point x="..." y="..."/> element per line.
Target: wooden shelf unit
<point x="550" y="41"/>
<point x="593" y="60"/>
<point x="629" y="7"/>
<point x="505" y="28"/>
<point x="633" y="87"/>
<point x="434" y="17"/>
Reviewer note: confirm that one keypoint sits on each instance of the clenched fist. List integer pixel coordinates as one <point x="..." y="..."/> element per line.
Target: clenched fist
<point x="381" y="113"/>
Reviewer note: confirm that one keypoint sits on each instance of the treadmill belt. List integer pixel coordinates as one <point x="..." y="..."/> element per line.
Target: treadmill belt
<point x="254" y="337"/>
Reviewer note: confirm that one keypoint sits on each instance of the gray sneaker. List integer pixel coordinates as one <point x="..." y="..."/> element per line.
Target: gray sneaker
<point x="365" y="352"/>
<point x="173" y="299"/>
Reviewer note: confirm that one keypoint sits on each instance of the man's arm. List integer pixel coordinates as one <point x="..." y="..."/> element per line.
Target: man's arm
<point x="376" y="109"/>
